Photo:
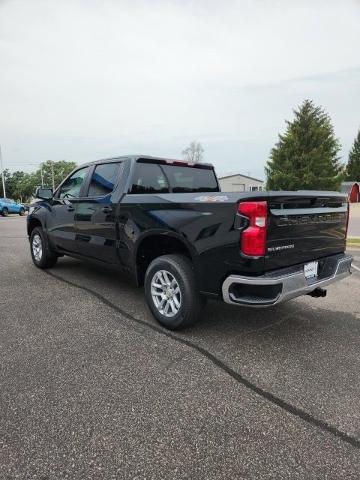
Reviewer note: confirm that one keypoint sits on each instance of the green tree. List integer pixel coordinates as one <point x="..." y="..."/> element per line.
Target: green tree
<point x="20" y="185"/>
<point x="56" y="171"/>
<point x="353" y="165"/>
<point x="25" y="187"/>
<point x="13" y="185"/>
<point x="306" y="155"/>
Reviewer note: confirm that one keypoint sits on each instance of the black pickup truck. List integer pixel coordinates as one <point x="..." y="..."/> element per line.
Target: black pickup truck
<point x="166" y="223"/>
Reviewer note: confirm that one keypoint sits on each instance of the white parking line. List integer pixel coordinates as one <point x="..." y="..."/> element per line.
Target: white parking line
<point x="356" y="268"/>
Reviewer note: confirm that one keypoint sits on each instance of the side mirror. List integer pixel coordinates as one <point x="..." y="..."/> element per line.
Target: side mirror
<point x="44" y="193"/>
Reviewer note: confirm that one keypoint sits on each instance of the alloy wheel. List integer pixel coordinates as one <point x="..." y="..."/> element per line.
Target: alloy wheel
<point x="166" y="294"/>
<point x="37" y="247"/>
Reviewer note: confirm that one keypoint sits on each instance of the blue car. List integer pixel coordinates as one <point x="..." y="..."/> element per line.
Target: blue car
<point x="10" y="206"/>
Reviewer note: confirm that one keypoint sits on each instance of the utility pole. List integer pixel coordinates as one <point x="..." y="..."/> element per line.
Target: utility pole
<point x="52" y="173"/>
<point x="2" y="174"/>
<point x="42" y="176"/>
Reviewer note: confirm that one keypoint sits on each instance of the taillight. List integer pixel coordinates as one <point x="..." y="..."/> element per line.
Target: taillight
<point x="253" y="238"/>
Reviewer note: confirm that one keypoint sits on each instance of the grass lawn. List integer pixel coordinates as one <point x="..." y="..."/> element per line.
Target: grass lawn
<point x="353" y="241"/>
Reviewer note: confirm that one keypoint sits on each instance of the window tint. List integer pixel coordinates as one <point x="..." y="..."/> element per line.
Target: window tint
<point x="72" y="185"/>
<point x="103" y="179"/>
<point x="191" y="179"/>
<point x="148" y="178"/>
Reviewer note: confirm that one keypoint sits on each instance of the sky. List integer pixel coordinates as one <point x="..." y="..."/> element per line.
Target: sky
<point x="87" y="79"/>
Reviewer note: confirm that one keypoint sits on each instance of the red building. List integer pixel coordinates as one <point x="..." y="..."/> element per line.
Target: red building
<point x="352" y="189"/>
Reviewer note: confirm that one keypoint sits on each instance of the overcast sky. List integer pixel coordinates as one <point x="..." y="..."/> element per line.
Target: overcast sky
<point x="82" y="80"/>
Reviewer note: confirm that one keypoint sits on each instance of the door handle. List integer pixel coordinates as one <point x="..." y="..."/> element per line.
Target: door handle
<point x="70" y="208"/>
<point x="106" y="209"/>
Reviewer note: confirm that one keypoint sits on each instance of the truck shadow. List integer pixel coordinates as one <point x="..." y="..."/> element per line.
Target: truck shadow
<point x="303" y="351"/>
<point x="116" y="285"/>
<point x="222" y="319"/>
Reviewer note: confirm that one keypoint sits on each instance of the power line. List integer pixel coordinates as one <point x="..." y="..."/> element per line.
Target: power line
<point x="23" y="164"/>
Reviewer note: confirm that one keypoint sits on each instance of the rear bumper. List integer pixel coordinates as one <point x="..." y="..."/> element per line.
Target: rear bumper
<point x="282" y="285"/>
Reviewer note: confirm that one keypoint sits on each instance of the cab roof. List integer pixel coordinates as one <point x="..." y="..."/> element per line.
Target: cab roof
<point x="150" y="159"/>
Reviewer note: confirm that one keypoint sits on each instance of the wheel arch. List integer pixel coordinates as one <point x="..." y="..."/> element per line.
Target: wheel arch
<point x="154" y="245"/>
<point x="32" y="223"/>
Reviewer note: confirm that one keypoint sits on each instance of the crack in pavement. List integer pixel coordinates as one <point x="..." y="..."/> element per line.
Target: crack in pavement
<point x="288" y="407"/>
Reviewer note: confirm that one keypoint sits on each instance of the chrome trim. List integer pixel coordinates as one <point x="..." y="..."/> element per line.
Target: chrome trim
<point x="293" y="285"/>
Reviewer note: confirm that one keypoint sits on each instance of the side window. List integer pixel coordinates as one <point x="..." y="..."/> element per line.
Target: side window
<point x="103" y="179"/>
<point x="149" y="178"/>
<point x="72" y="185"/>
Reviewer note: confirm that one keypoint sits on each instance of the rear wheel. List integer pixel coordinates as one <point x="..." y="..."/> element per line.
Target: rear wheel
<point x="171" y="291"/>
<point x="21" y="211"/>
<point x="5" y="212"/>
<point x="41" y="254"/>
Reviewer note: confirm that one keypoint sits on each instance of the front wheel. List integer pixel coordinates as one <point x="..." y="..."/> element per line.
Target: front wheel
<point x="171" y="291"/>
<point x="40" y="253"/>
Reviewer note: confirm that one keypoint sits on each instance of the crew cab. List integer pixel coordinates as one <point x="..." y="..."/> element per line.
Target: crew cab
<point x="7" y="205"/>
<point x="169" y="227"/>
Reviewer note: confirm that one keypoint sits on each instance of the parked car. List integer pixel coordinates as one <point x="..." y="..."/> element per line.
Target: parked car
<point x="7" y="205"/>
<point x="168" y="226"/>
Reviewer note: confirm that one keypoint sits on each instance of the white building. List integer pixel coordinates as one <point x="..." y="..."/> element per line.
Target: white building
<point x="240" y="183"/>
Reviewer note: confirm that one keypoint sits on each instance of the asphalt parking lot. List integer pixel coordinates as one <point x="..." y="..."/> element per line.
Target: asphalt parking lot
<point x="91" y="387"/>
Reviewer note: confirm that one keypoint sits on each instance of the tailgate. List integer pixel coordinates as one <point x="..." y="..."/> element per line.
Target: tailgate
<point x="305" y="226"/>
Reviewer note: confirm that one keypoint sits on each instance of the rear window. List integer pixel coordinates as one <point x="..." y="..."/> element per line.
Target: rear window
<point x="191" y="179"/>
<point x="156" y="178"/>
<point x="149" y="178"/>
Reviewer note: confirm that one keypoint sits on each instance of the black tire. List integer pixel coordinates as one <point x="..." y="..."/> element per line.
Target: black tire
<point x="22" y="212"/>
<point x="5" y="212"/>
<point x="47" y="259"/>
<point x="191" y="302"/>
